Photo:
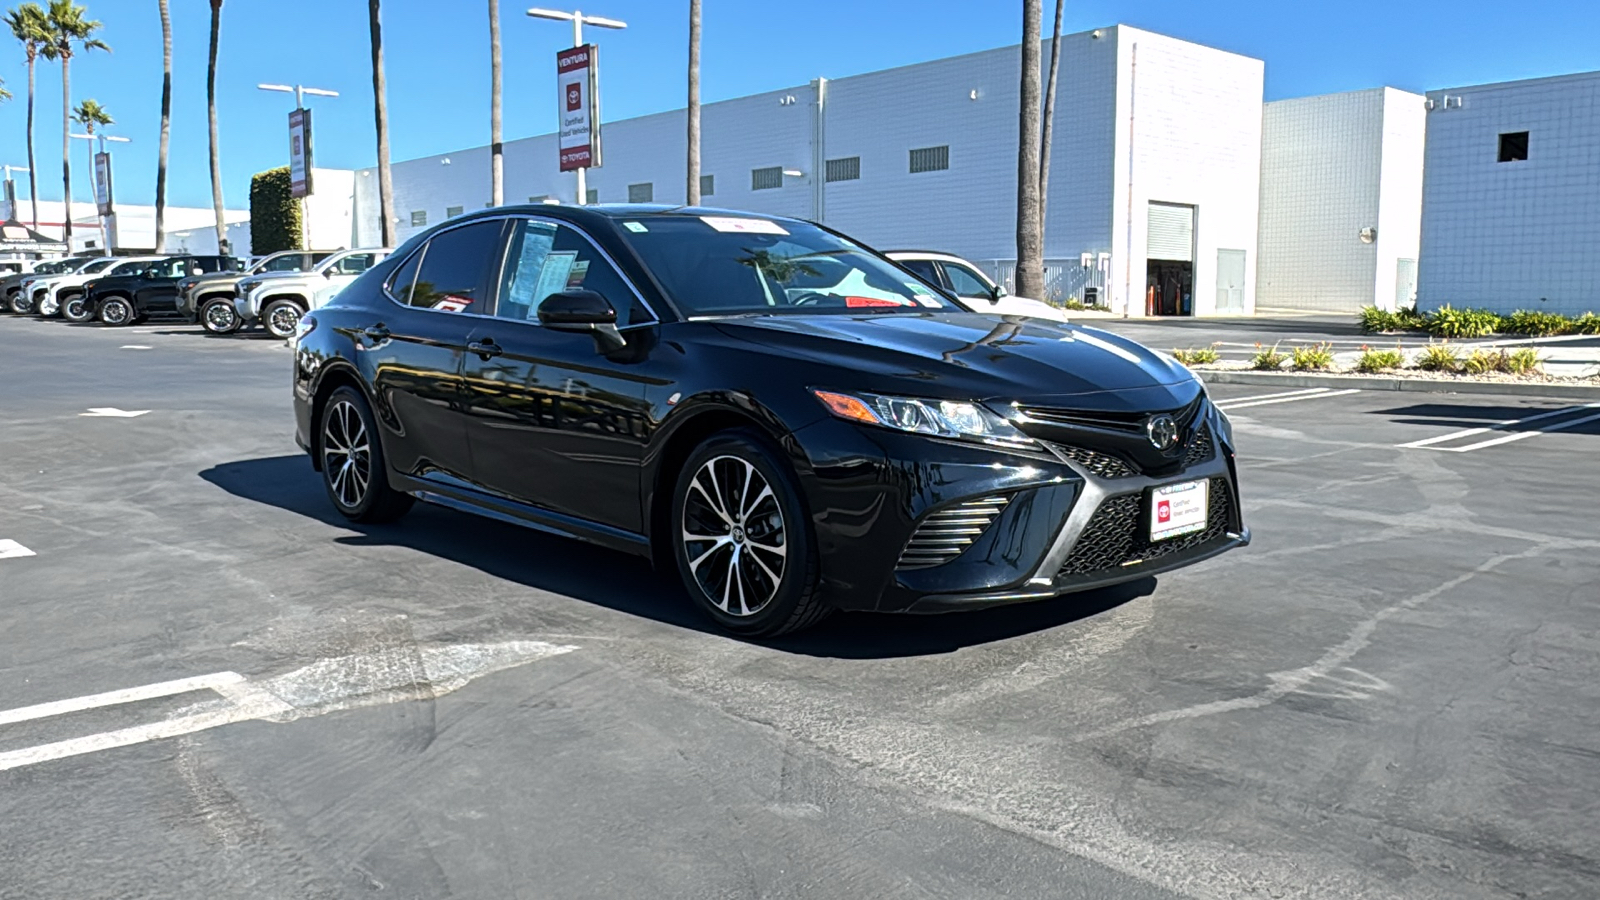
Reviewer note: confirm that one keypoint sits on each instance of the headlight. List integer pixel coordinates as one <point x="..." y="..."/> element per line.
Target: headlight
<point x="186" y="284"/>
<point x="939" y="418"/>
<point x="248" y="285"/>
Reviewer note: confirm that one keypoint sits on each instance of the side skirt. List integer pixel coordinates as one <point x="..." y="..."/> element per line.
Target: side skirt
<point x="516" y="513"/>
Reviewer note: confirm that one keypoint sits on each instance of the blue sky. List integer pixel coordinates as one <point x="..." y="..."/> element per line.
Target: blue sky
<point x="438" y="69"/>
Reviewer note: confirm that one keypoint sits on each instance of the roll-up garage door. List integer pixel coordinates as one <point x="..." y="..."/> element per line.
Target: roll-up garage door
<point x="1171" y="232"/>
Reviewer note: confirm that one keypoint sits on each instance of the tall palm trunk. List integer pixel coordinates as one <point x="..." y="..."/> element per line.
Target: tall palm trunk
<point x="166" y="128"/>
<point x="33" y="169"/>
<point x="380" y="115"/>
<point x="66" y="145"/>
<point x="1030" y="239"/>
<point x="693" y="193"/>
<point x="1049" y="120"/>
<point x="211" y="116"/>
<point x="496" y="162"/>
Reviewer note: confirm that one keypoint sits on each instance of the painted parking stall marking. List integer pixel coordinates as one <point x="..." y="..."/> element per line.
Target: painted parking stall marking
<point x="1285" y="397"/>
<point x="111" y="412"/>
<point x="1509" y="430"/>
<point x="329" y="685"/>
<point x="10" y="549"/>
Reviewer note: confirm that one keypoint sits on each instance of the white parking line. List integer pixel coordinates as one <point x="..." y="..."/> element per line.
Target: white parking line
<point x="398" y="673"/>
<point x="1320" y="390"/>
<point x="1429" y="443"/>
<point x="10" y="549"/>
<point x="134" y="347"/>
<point x="111" y="412"/>
<point x="1317" y="396"/>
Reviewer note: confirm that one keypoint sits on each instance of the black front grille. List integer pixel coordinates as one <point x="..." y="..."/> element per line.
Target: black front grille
<point x="944" y="534"/>
<point x="1103" y="465"/>
<point x="1201" y="447"/>
<point x="1115" y="535"/>
<point x="1109" y="420"/>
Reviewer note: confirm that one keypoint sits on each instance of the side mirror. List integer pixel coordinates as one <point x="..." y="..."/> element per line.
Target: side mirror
<point x="329" y="272"/>
<point x="583" y="311"/>
<point x="998" y="292"/>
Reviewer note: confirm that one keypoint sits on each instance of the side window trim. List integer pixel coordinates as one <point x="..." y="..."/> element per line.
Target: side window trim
<point x="388" y="286"/>
<point x="505" y="257"/>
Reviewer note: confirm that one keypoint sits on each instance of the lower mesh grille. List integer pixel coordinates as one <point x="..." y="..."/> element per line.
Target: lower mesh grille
<point x="1103" y="465"/>
<point x="1200" y="447"/>
<point x="1113" y="538"/>
<point x="944" y="534"/>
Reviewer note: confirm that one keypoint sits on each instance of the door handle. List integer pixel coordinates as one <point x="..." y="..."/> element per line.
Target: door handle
<point x="486" y="348"/>
<point x="376" y="333"/>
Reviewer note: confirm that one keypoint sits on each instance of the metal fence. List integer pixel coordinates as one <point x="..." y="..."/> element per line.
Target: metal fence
<point x="1064" y="279"/>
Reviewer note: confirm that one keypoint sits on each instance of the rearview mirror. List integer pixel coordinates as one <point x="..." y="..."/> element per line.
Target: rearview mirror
<point x="583" y="311"/>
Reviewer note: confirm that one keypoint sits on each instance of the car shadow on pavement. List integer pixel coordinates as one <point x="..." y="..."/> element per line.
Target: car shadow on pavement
<point x="1466" y="415"/>
<point x="630" y="584"/>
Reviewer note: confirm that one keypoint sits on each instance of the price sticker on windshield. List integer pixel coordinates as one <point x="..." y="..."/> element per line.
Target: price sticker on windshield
<point x="741" y="225"/>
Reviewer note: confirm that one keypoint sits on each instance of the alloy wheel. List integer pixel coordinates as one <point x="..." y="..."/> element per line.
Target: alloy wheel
<point x="346" y="453"/>
<point x="220" y="317"/>
<point x="116" y="311"/>
<point x="49" y="306"/>
<point x="733" y="535"/>
<point x="282" y="320"/>
<point x="74" y="309"/>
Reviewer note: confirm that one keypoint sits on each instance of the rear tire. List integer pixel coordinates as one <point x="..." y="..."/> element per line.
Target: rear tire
<point x="354" y="471"/>
<point x="76" y="309"/>
<point x="742" y="539"/>
<point x="281" y="317"/>
<point x="21" y="303"/>
<point x="219" y="317"/>
<point x="116" y="311"/>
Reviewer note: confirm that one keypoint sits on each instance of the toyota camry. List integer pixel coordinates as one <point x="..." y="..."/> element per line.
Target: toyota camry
<point x="787" y="419"/>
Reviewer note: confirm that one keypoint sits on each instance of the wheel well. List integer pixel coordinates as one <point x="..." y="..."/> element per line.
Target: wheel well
<point x="214" y="295"/>
<point x="337" y="377"/>
<point x="296" y="299"/>
<point x="683" y="442"/>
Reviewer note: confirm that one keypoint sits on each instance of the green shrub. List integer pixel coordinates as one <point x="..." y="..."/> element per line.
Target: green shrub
<point x="1411" y="319"/>
<point x="1523" y="362"/>
<point x="1377" y="321"/>
<point x="1588" y="323"/>
<point x="1537" y="324"/>
<point x="1315" y="358"/>
<point x="1439" y="358"/>
<point x="1482" y="362"/>
<point x="1449" y="322"/>
<point x="1374" y="361"/>
<point x="1197" y="356"/>
<point x="274" y="213"/>
<point x="1268" y="358"/>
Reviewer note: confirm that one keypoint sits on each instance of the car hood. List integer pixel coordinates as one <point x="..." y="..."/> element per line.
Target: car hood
<point x="951" y="354"/>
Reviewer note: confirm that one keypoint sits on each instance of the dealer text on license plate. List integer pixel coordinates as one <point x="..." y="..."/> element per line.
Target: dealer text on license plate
<point x="1177" y="509"/>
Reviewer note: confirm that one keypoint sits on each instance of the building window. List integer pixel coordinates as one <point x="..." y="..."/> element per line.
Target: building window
<point x="641" y="193"/>
<point x="766" y="179"/>
<point x="1514" y="146"/>
<point x="419" y="218"/>
<point x="450" y="212"/>
<point x="541" y="198"/>
<point x="708" y="185"/>
<point x="930" y="159"/>
<point x="847" y="169"/>
<point x="592" y="196"/>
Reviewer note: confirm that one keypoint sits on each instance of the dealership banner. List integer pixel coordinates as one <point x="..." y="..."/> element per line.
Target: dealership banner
<point x="578" y="76"/>
<point x="300" y="153"/>
<point x="102" y="182"/>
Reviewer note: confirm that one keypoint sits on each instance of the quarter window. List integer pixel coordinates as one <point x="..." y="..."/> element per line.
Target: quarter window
<point x="545" y="259"/>
<point x="454" y="267"/>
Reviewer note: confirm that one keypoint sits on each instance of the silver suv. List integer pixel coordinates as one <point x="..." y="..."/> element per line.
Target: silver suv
<point x="209" y="298"/>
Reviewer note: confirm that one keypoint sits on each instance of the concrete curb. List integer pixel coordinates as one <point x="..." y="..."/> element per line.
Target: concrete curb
<point x="1414" y="385"/>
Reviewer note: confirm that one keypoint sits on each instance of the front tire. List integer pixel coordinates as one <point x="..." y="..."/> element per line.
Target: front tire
<point x="280" y="318"/>
<point x="116" y="311"/>
<point x="21" y="303"/>
<point x="76" y="309"/>
<point x="742" y="539"/>
<point x="219" y="317"/>
<point x="49" y="306"/>
<point x="353" y="468"/>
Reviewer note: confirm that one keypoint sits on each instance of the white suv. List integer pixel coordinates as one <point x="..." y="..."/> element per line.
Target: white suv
<point x="62" y="295"/>
<point x="278" y="301"/>
<point x="971" y="287"/>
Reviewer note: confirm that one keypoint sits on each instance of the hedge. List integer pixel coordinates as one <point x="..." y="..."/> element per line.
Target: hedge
<point x="274" y="214"/>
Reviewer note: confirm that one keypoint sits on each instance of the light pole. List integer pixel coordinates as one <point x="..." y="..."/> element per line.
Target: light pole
<point x="578" y="20"/>
<point x="105" y="234"/>
<point x="300" y="91"/>
<point x="11" y="193"/>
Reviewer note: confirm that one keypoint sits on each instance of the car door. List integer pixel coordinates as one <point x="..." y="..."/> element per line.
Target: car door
<point x="553" y="422"/>
<point x="412" y="349"/>
<point x="158" y="293"/>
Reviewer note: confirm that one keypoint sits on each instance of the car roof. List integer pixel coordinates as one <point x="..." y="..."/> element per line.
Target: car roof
<point x="924" y="254"/>
<point x="613" y="211"/>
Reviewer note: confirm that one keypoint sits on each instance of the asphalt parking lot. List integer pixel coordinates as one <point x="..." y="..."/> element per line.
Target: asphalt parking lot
<point x="212" y="687"/>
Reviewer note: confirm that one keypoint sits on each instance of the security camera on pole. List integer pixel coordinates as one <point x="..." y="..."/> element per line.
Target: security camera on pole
<point x="578" y="105"/>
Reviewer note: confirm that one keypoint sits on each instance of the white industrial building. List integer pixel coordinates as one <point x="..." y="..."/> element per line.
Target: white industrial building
<point x="1156" y="147"/>
<point x="1509" y="198"/>
<point x="134" y="227"/>
<point x="1341" y="201"/>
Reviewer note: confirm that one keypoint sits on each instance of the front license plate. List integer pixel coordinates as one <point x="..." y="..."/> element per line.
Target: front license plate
<point x="1178" y="509"/>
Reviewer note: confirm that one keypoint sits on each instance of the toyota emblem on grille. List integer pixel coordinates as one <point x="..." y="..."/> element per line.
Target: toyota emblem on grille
<point x="1162" y="431"/>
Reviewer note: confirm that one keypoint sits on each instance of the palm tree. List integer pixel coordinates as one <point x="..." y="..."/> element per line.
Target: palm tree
<point x="31" y="25"/>
<point x="211" y="115"/>
<point x="166" y="127"/>
<point x="693" y="194"/>
<point x="91" y="115"/>
<point x="1049" y="120"/>
<point x="69" y="30"/>
<point x="496" y="163"/>
<point x="380" y="115"/>
<point x="1030" y="236"/>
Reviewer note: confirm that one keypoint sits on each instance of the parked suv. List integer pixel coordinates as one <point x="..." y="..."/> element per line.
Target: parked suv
<point x="53" y="295"/>
<point x="970" y="286"/>
<point x="209" y="298"/>
<point x="125" y="299"/>
<point x="278" y="303"/>
<point x="19" y="288"/>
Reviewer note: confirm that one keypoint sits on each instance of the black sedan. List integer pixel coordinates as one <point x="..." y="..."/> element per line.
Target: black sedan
<point x="788" y="419"/>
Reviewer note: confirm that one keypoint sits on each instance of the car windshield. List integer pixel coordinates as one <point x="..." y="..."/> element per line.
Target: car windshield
<point x="727" y="265"/>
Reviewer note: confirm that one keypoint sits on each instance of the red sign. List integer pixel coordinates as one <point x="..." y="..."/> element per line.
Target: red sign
<point x="1164" y="511"/>
<point x="578" y="135"/>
